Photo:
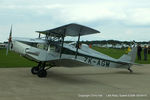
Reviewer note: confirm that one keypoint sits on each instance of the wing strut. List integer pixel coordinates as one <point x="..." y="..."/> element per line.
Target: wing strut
<point x="78" y="43"/>
<point x="39" y="35"/>
<point x="62" y="44"/>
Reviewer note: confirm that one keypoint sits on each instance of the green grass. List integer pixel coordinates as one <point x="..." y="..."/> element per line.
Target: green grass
<point x="116" y="53"/>
<point x="13" y="60"/>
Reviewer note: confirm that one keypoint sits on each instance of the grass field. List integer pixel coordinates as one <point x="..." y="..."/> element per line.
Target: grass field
<point x="15" y="60"/>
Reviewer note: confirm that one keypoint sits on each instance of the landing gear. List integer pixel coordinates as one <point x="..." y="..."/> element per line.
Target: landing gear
<point x="42" y="73"/>
<point x="131" y="71"/>
<point x="40" y="70"/>
<point x="35" y="70"/>
<point x="129" y="68"/>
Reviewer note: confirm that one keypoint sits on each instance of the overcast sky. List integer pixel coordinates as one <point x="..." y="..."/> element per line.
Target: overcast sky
<point x="115" y="19"/>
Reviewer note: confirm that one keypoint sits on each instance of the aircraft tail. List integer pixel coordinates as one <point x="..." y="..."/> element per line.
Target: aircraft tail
<point x="130" y="57"/>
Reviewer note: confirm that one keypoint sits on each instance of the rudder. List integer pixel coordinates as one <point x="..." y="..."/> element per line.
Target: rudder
<point x="131" y="56"/>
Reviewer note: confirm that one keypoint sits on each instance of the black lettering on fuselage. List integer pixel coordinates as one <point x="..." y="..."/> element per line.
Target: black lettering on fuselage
<point x="99" y="62"/>
<point x="107" y="63"/>
<point x="103" y="63"/>
<point x="94" y="61"/>
<point x="89" y="60"/>
<point x="86" y="58"/>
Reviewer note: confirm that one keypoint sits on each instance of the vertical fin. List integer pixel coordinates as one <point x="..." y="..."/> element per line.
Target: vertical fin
<point x="131" y="56"/>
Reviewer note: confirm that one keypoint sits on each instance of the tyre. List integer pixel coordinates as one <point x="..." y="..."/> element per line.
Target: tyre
<point x="42" y="73"/>
<point x="34" y="70"/>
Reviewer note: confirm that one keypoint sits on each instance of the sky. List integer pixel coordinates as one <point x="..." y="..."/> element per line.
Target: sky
<point x="123" y="20"/>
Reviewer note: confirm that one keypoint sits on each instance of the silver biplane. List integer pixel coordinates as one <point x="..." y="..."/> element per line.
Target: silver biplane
<point x="51" y="50"/>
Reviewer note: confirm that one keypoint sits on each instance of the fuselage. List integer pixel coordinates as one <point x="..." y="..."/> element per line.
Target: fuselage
<point x="40" y="51"/>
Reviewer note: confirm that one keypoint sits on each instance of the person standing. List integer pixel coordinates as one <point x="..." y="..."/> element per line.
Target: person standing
<point x="145" y="52"/>
<point x="129" y="49"/>
<point x="139" y="50"/>
<point x="148" y="49"/>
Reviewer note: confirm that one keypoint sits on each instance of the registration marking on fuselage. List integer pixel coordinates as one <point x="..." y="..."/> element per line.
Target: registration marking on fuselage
<point x="96" y="61"/>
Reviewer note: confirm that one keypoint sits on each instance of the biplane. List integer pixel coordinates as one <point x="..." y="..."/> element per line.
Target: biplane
<point x="53" y="51"/>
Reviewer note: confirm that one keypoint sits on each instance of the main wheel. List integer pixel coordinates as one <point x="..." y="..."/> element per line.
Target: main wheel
<point x="34" y="70"/>
<point x="42" y="73"/>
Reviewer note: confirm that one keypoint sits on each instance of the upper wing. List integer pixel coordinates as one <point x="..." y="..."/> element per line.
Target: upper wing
<point x="69" y="30"/>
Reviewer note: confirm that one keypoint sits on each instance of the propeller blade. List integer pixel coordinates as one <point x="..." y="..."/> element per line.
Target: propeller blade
<point x="10" y="35"/>
<point x="9" y="41"/>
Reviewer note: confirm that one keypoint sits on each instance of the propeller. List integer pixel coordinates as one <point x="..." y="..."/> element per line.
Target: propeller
<point x="9" y="41"/>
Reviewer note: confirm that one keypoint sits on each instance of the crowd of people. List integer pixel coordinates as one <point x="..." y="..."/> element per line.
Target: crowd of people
<point x="139" y="51"/>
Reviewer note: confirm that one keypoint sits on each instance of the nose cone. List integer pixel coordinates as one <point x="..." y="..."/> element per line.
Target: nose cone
<point x="20" y="47"/>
